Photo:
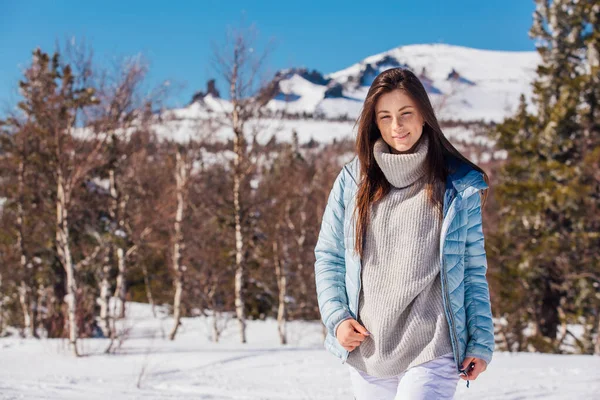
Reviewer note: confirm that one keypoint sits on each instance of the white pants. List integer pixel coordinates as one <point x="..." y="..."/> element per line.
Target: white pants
<point x="435" y="379"/>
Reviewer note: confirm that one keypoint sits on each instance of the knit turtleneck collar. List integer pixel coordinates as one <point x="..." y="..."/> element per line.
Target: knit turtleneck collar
<point x="402" y="169"/>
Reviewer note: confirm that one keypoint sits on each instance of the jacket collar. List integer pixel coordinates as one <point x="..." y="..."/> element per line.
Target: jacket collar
<point x="464" y="176"/>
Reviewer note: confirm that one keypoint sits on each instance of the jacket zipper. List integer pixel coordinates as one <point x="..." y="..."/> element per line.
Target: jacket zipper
<point x="446" y="294"/>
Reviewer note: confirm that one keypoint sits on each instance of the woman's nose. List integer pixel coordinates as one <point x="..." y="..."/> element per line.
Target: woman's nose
<point x="396" y="124"/>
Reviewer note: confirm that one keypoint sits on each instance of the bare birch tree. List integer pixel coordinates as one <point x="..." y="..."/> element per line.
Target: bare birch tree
<point x="240" y="65"/>
<point x="281" y="273"/>
<point x="181" y="178"/>
<point x="123" y="109"/>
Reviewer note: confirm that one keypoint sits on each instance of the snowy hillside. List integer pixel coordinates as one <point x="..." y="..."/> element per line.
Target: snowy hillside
<point x="193" y="367"/>
<point x="463" y="83"/>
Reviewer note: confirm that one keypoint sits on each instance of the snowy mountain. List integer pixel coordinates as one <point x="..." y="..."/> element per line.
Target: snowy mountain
<point x="463" y="83"/>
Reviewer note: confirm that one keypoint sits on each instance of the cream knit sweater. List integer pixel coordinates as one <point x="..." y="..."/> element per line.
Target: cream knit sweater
<point x="400" y="301"/>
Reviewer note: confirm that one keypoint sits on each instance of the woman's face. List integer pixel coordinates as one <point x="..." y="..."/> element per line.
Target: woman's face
<point x="398" y="120"/>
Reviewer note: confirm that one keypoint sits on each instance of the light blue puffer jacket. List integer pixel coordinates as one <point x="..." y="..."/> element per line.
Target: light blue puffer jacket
<point x="466" y="297"/>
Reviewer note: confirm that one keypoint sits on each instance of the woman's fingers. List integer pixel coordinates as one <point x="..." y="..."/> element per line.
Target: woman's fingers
<point x="351" y="344"/>
<point x="478" y="367"/>
<point x="351" y="334"/>
<point x="357" y="336"/>
<point x="361" y="329"/>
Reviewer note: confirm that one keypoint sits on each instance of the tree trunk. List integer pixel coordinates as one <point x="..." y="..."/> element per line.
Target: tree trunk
<point x="25" y="290"/>
<point x="216" y="332"/>
<point x="64" y="254"/>
<point x="121" y="289"/>
<point x="177" y="305"/>
<point x="300" y="239"/>
<point x="239" y="239"/>
<point x="117" y="216"/>
<point x="178" y="245"/>
<point x="33" y="303"/>
<point x="149" y="296"/>
<point x="597" y="344"/>
<point x="104" y="299"/>
<point x="549" y="319"/>
<point x="1" y="308"/>
<point x="280" y="273"/>
<point x="24" y="300"/>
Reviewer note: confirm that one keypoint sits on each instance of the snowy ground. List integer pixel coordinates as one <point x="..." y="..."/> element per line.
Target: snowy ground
<point x="193" y="367"/>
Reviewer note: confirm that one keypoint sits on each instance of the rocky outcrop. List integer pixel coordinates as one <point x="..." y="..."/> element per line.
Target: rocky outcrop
<point x="210" y="89"/>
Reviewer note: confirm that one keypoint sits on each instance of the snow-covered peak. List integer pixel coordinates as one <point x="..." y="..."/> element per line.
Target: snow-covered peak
<point x="440" y="59"/>
<point x="463" y="83"/>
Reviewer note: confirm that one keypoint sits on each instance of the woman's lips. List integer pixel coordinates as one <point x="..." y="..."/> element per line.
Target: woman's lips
<point x="401" y="136"/>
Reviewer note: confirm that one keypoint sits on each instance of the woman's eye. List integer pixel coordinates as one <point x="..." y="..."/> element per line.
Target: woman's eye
<point x="384" y="117"/>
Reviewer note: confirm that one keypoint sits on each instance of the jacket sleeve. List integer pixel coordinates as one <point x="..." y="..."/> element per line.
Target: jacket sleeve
<point x="480" y="325"/>
<point x="330" y="266"/>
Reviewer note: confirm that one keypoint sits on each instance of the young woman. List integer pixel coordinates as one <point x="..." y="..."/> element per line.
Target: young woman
<point x="400" y="259"/>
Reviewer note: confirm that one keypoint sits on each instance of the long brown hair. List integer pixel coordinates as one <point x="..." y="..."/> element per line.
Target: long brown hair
<point x="373" y="185"/>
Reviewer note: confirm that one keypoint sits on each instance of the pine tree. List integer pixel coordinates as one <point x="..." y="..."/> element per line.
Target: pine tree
<point x="548" y="189"/>
<point x="54" y="95"/>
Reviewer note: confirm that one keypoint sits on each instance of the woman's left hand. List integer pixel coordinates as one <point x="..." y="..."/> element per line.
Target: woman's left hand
<point x="478" y="367"/>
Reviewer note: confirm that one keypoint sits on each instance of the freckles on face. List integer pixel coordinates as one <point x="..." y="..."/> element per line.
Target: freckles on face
<point x="398" y="120"/>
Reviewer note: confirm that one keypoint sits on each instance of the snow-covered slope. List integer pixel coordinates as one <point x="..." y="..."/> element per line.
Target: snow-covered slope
<point x="149" y="366"/>
<point x="463" y="83"/>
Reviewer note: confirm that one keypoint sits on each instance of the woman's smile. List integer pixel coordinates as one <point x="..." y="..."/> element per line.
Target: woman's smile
<point x="401" y="137"/>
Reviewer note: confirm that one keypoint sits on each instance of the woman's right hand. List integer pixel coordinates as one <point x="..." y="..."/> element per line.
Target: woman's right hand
<point x="350" y="334"/>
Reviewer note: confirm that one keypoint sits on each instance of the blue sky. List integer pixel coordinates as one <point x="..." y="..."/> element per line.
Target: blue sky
<point x="176" y="36"/>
